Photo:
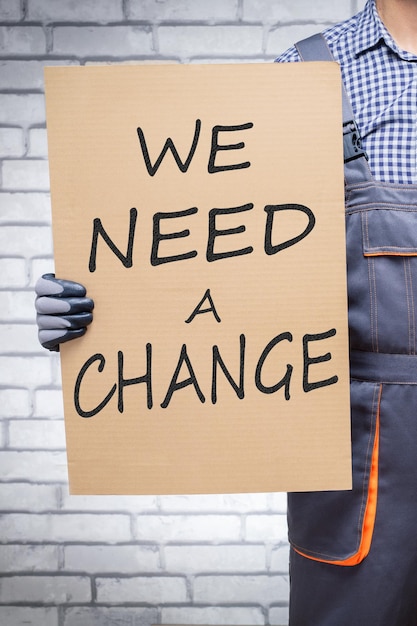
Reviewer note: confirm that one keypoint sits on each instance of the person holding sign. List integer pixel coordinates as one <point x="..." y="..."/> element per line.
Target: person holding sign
<point x="354" y="553"/>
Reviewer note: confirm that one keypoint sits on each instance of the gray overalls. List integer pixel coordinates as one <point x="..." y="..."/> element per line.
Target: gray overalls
<point x="354" y="553"/>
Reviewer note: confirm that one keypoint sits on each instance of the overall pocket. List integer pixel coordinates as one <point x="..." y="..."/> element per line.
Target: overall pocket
<point x="336" y="526"/>
<point x="389" y="232"/>
<point x="389" y="242"/>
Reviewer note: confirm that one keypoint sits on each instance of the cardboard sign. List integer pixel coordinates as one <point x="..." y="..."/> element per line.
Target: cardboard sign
<point x="202" y="207"/>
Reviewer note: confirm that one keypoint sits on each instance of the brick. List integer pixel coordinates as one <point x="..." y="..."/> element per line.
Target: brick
<point x="30" y="175"/>
<point x="10" y="11"/>
<point x="278" y="615"/>
<point x="3" y="435"/>
<point x="107" y="41"/>
<point x="233" y="503"/>
<point x="31" y="616"/>
<point x="27" y="74"/>
<point x="37" y="435"/>
<point x="38" y="267"/>
<point x="100" y="616"/>
<point x="235" y="589"/>
<point x="56" y="528"/>
<point x="48" y="403"/>
<point x="11" y="142"/>
<point x="290" y="11"/>
<point x="191" y="41"/>
<point x="15" y="403"/>
<point x="55" y="368"/>
<point x="13" y="272"/>
<point x="17" y="305"/>
<point x="111" y="559"/>
<point x="280" y="559"/>
<point x="279" y="502"/>
<point x="25" y="109"/>
<point x="152" y="590"/>
<point x="33" y="371"/>
<point x="266" y="528"/>
<point x="237" y="558"/>
<point x="188" y="528"/>
<point x="19" y="208"/>
<point x="38" y="144"/>
<point x="27" y="558"/>
<point x="127" y="504"/>
<point x="46" y="589"/>
<point x="18" y="338"/>
<point x="183" y="10"/>
<point x="26" y="497"/>
<point x="68" y="10"/>
<point x="33" y="466"/>
<point x="212" y="615"/>
<point x="30" y="240"/>
<point x="22" y="40"/>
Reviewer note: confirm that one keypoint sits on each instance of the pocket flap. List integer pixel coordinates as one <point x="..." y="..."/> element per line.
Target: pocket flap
<point x="390" y="232"/>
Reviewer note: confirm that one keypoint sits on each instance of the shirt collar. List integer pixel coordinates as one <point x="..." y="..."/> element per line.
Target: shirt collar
<point x="371" y="31"/>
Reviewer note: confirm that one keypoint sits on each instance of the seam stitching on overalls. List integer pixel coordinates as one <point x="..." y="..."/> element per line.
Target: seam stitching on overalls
<point x="365" y="486"/>
<point x="375" y="206"/>
<point x="410" y="305"/>
<point x="373" y="313"/>
<point x="413" y="315"/>
<point x="394" y="186"/>
<point x="372" y="284"/>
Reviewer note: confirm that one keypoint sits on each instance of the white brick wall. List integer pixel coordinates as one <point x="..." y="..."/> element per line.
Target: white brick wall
<point x="105" y="561"/>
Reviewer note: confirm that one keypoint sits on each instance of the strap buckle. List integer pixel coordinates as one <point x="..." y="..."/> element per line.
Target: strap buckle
<point x="352" y="142"/>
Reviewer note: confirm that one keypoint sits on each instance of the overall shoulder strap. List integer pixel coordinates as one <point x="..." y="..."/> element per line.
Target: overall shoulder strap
<point x="315" y="48"/>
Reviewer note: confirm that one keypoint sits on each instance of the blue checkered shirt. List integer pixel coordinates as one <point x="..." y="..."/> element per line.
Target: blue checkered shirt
<point x="381" y="80"/>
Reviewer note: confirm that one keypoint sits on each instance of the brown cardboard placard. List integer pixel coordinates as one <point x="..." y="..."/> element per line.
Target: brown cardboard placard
<point x="217" y="361"/>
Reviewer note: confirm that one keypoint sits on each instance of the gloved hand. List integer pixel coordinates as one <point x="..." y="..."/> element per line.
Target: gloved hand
<point x="63" y="311"/>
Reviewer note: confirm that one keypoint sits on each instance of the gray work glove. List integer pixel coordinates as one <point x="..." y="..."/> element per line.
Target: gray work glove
<point x="63" y="311"/>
